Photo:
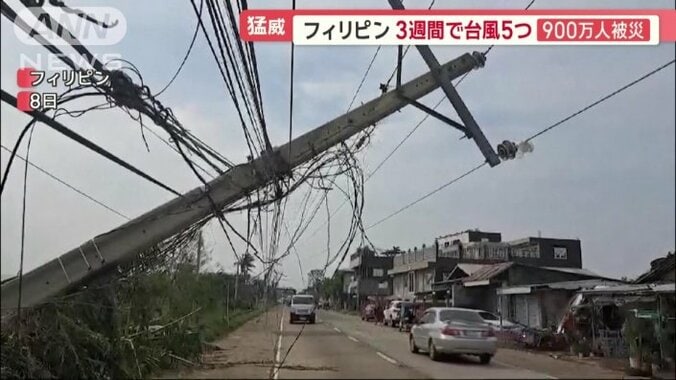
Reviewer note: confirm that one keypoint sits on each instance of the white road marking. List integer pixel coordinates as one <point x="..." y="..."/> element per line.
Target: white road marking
<point x="337" y="329"/>
<point x="353" y="339"/>
<point x="278" y="354"/>
<point x="524" y="369"/>
<point x="389" y="359"/>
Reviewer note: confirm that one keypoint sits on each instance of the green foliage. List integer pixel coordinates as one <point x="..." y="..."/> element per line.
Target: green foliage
<point x="331" y="288"/>
<point x="127" y="328"/>
<point x="640" y="334"/>
<point x="245" y="264"/>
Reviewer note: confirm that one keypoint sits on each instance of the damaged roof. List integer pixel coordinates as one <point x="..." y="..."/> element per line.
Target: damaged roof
<point x="488" y="272"/>
<point x="659" y="268"/>
<point x="469" y="269"/>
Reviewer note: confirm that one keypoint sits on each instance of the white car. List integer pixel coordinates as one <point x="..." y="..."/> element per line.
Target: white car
<point x="302" y="309"/>
<point x="392" y="313"/>
<point x="447" y="330"/>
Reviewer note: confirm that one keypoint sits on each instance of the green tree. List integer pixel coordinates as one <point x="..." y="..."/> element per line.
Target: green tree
<point x="331" y="288"/>
<point x="245" y="264"/>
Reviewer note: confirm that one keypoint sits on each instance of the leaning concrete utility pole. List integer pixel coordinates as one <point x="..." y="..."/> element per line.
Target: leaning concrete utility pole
<point x="122" y="244"/>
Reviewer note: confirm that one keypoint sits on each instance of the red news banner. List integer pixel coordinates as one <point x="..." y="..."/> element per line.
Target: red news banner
<point x="460" y="27"/>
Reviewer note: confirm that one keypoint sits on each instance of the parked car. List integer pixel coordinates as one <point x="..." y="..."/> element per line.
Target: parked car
<point x="392" y="313"/>
<point x="368" y="312"/>
<point x="448" y="330"/>
<point x="494" y="321"/>
<point x="302" y="308"/>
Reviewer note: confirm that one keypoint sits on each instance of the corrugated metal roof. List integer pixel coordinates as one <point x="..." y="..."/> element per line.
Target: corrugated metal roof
<point x="471" y="268"/>
<point x="488" y="272"/>
<point x="405" y="268"/>
<point x="660" y="268"/>
<point x="566" y="285"/>
<point x="631" y="289"/>
<point x="580" y="271"/>
<point x="664" y="288"/>
<point x="581" y="284"/>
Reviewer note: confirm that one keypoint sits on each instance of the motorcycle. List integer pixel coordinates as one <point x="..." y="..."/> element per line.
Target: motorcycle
<point x="406" y="318"/>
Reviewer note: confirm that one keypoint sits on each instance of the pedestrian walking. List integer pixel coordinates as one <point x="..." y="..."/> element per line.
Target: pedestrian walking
<point x="379" y="313"/>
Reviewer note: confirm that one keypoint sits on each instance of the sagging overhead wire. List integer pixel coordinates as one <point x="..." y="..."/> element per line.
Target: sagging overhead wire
<point x="11" y="100"/>
<point x="190" y="141"/>
<point x="415" y="127"/>
<point x="122" y="92"/>
<point x="63" y="182"/>
<point x="532" y="137"/>
<point x="187" y="54"/>
<point x="229" y="69"/>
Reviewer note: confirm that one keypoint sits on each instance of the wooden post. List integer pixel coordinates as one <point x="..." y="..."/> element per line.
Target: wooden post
<point x="227" y="303"/>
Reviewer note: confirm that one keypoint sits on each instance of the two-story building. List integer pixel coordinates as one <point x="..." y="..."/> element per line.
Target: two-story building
<point x="414" y="272"/>
<point x="486" y="267"/>
<point x="371" y="274"/>
<point x="546" y="252"/>
<point x="474" y="246"/>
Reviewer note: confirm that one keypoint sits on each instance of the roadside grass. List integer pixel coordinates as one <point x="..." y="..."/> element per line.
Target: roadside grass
<point x="217" y="323"/>
<point x="154" y="313"/>
<point x="134" y="330"/>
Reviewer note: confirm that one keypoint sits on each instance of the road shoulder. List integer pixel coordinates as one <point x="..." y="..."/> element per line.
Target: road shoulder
<point x="247" y="352"/>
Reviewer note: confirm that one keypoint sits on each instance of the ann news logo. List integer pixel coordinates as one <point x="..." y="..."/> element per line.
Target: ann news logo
<point x="62" y="25"/>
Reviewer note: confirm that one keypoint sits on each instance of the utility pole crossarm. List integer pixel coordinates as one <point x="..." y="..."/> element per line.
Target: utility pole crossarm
<point x="122" y="244"/>
<point x="472" y="129"/>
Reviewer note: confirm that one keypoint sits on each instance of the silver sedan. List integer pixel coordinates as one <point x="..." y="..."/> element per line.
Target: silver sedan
<point x="448" y="330"/>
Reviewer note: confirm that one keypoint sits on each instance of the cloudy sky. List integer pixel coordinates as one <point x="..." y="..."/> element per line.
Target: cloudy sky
<point x="606" y="177"/>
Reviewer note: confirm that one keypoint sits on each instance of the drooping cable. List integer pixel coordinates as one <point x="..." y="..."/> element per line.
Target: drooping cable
<point x="40" y="116"/>
<point x="63" y="182"/>
<point x="541" y="132"/>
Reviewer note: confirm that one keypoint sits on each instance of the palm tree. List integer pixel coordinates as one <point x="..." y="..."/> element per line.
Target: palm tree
<point x="245" y="264"/>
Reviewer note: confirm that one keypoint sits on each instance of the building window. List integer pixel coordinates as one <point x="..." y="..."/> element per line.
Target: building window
<point x="446" y="244"/>
<point x="530" y="252"/>
<point x="560" y="253"/>
<point x="473" y="252"/>
<point x="496" y="252"/>
<point x="382" y="285"/>
<point x="411" y="281"/>
<point x="378" y="272"/>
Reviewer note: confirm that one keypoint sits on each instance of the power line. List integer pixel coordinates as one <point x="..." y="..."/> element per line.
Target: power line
<point x="438" y="189"/>
<point x="414" y="129"/>
<point x="83" y="51"/>
<point x="434" y="108"/>
<point x="603" y="99"/>
<point x="23" y="226"/>
<point x="541" y="132"/>
<point x="187" y="53"/>
<point x="363" y="78"/>
<point x="291" y="82"/>
<point x="54" y="177"/>
<point x="40" y="116"/>
<point x="403" y="55"/>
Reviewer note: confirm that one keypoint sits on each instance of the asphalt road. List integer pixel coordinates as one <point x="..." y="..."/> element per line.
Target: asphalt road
<point x="321" y="351"/>
<point x="388" y="341"/>
<point x="341" y="346"/>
